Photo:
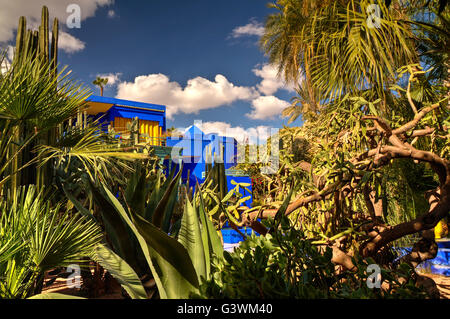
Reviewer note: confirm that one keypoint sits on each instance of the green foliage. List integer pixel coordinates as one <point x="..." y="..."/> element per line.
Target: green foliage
<point x="334" y="165"/>
<point x="120" y="270"/>
<point x="288" y="265"/>
<point x="358" y="81"/>
<point x="54" y="296"/>
<point x="35" y="238"/>
<point x="333" y="43"/>
<point x="138" y="230"/>
<point x="38" y="105"/>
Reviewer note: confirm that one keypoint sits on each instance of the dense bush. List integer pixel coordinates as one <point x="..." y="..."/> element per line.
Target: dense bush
<point x="287" y="265"/>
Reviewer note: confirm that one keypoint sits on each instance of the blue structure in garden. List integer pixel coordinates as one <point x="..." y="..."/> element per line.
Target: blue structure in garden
<point x="198" y="148"/>
<point x="118" y="115"/>
<point x="195" y="146"/>
<point x="194" y="149"/>
<point x="441" y="264"/>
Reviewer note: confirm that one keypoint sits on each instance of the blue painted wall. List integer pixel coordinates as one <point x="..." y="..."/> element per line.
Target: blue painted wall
<point x="194" y="144"/>
<point x="130" y="109"/>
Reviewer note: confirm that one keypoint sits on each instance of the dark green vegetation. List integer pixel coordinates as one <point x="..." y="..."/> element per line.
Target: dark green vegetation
<point x="370" y="167"/>
<point x="368" y="170"/>
<point x="287" y="265"/>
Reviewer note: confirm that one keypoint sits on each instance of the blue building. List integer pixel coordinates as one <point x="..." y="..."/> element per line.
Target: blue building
<point x="119" y="114"/>
<point x="194" y="149"/>
<point x="197" y="149"/>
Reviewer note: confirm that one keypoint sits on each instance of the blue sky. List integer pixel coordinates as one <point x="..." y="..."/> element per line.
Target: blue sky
<point x="199" y="57"/>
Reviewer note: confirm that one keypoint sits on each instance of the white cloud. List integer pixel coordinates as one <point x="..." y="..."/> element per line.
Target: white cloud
<point x="11" y="11"/>
<point x="69" y="43"/>
<point x="10" y="52"/>
<point x="4" y="66"/>
<point x="271" y="82"/>
<point x="253" y="28"/>
<point x="199" y="93"/>
<point x="267" y="107"/>
<point x="253" y="135"/>
<point x="6" y="59"/>
<point x="113" y="78"/>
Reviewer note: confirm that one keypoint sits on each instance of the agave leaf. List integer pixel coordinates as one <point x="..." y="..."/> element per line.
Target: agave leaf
<point x="168" y="260"/>
<point x="136" y="191"/>
<point x="120" y="270"/>
<point x="165" y="227"/>
<point x="213" y="242"/>
<point x="167" y="202"/>
<point x="153" y="201"/>
<point x="176" y="270"/>
<point x="81" y="209"/>
<point x="116" y="228"/>
<point x="190" y="237"/>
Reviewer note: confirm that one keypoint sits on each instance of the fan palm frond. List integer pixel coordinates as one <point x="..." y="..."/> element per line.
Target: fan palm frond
<point x="99" y="156"/>
<point x="38" y="238"/>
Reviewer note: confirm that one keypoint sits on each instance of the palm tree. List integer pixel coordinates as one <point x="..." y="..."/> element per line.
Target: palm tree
<point x="32" y="110"/>
<point x="101" y="83"/>
<point x="335" y="47"/>
<point x="284" y="40"/>
<point x="305" y="104"/>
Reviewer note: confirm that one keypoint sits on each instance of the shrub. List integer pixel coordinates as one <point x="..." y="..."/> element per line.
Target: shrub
<point x="287" y="265"/>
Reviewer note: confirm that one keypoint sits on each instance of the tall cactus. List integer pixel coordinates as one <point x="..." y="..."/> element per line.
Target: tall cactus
<point x="44" y="36"/>
<point x="21" y="43"/>
<point x="35" y="44"/>
<point x="54" y="49"/>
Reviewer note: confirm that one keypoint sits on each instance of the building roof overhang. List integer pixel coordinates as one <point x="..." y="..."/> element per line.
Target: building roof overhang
<point x="101" y="104"/>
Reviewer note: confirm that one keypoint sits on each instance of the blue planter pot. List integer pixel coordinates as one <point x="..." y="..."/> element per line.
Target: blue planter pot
<point x="439" y="265"/>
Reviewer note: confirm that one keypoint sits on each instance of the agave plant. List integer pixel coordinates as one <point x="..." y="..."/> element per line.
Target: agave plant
<point x="144" y="239"/>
